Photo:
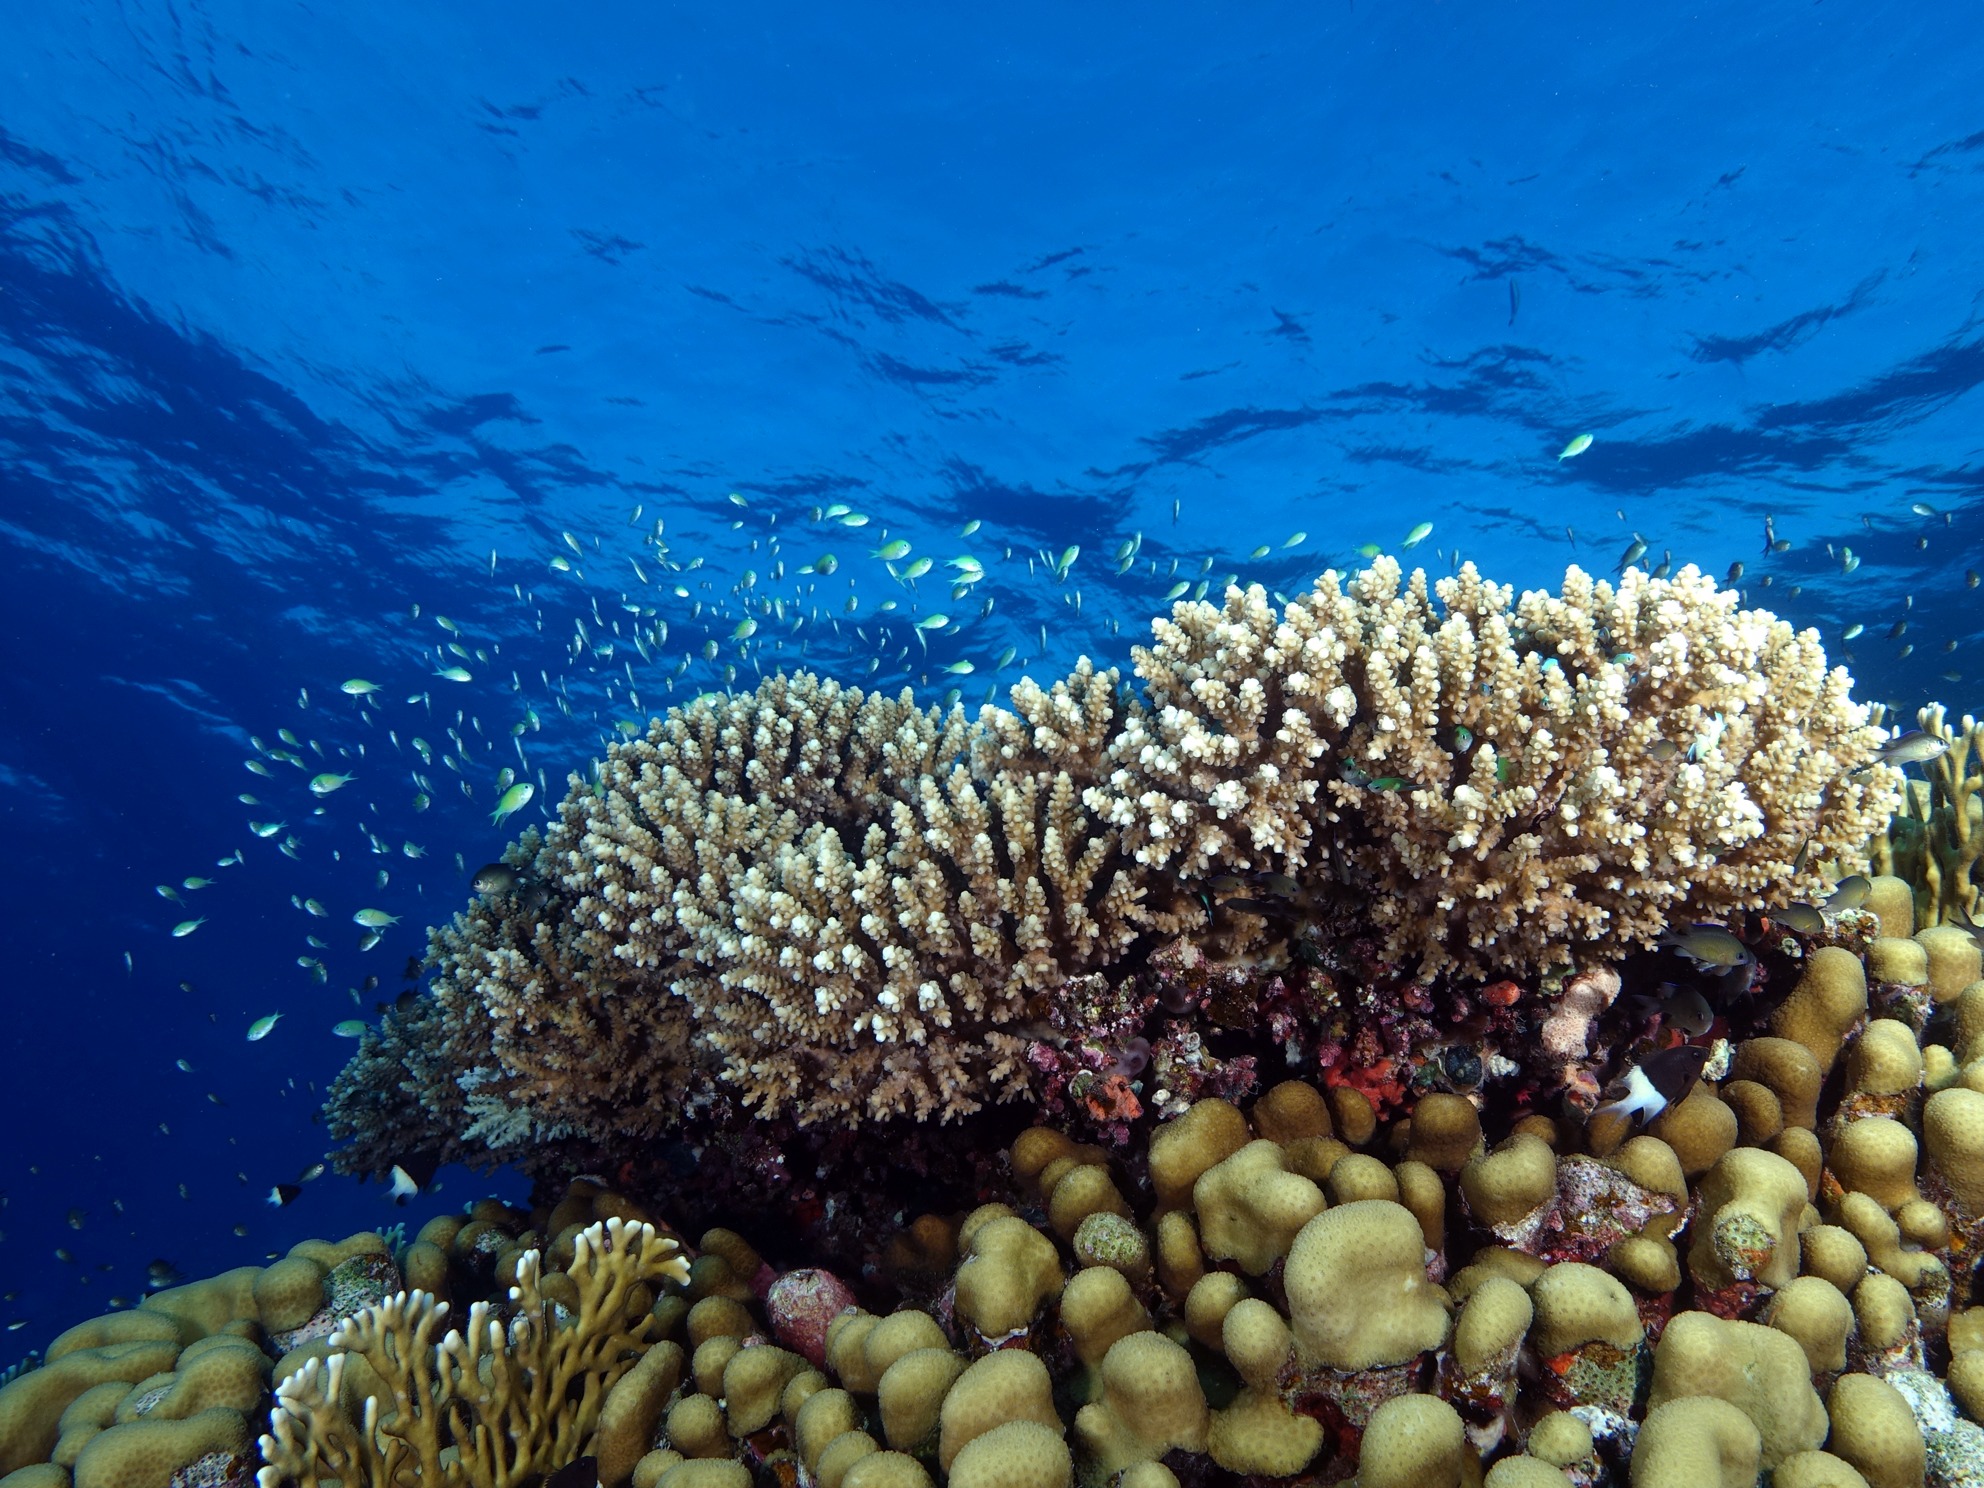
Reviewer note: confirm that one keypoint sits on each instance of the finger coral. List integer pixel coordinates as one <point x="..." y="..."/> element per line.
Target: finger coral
<point x="490" y="1405"/>
<point x="813" y="903"/>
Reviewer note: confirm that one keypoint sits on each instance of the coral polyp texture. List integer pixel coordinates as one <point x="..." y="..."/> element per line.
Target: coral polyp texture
<point x="830" y="907"/>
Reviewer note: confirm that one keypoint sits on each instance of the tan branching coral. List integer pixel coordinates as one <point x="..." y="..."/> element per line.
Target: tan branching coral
<point x="829" y="904"/>
<point x="489" y="1406"/>
<point x="1504" y="781"/>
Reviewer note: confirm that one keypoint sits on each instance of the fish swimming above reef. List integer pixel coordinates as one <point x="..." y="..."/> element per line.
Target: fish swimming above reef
<point x="283" y="1193"/>
<point x="1681" y="1008"/>
<point x="1911" y="748"/>
<point x="494" y="878"/>
<point x="1710" y="947"/>
<point x="1654" y="1083"/>
<point x="404" y="1187"/>
<point x="1801" y="919"/>
<point x="1851" y="893"/>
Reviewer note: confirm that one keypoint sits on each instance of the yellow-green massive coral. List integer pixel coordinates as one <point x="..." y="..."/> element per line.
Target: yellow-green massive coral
<point x="826" y="903"/>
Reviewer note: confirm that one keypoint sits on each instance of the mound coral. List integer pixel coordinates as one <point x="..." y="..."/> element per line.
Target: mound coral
<point x="812" y="903"/>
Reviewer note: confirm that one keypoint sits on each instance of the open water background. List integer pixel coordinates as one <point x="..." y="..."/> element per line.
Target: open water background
<point x="304" y="310"/>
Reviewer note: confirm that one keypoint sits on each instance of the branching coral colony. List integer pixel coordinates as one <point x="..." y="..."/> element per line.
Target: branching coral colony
<point x="1242" y="1039"/>
<point x="1329" y="834"/>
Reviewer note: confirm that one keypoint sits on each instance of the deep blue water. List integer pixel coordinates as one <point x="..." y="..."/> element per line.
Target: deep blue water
<point x="303" y="312"/>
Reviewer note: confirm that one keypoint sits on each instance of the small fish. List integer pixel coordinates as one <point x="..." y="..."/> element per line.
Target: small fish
<point x="1852" y="632"/>
<point x="404" y="1187"/>
<point x="324" y="784"/>
<point x="349" y="1028"/>
<point x="187" y="927"/>
<point x="358" y="687"/>
<point x="746" y="628"/>
<point x="1417" y="535"/>
<point x="455" y="674"/>
<point x="494" y="878"/>
<point x="1800" y="919"/>
<point x="512" y="801"/>
<point x="260" y="769"/>
<point x="1576" y="447"/>
<point x="311" y="1174"/>
<point x="917" y="569"/>
<point x="374" y="919"/>
<point x="1295" y="540"/>
<point x="1923" y="509"/>
<point x="890" y="551"/>
<point x="167" y="891"/>
<point x="1850" y="893"/>
<point x="262" y="1027"/>
<point x="1687" y="1011"/>
<point x="1911" y="748"/>
<point x="970" y="527"/>
<point x="1663" y="750"/>
<point x="1655" y="1083"/>
<point x="196" y="883"/>
<point x="1635" y="550"/>
<point x="1709" y="946"/>
<point x="933" y="622"/>
<point x="1388" y="783"/>
<point x="960" y="668"/>
<point x="161" y="1273"/>
<point x="1176" y="590"/>
<point x="284" y="1193"/>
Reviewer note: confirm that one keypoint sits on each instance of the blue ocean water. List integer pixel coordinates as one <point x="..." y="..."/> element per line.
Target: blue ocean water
<point x="332" y="339"/>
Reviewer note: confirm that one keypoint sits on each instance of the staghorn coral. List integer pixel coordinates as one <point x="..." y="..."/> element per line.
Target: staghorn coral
<point x="815" y="903"/>
<point x="492" y="1405"/>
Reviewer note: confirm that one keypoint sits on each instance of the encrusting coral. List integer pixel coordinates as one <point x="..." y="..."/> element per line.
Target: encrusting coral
<point x="813" y="903"/>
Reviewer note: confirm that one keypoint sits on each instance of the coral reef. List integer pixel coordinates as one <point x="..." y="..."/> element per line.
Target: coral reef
<point x="512" y="1394"/>
<point x="1379" y="1042"/>
<point x="1935" y="841"/>
<point x="828" y="909"/>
